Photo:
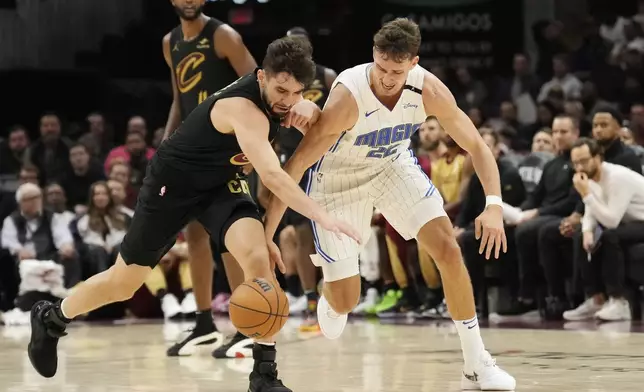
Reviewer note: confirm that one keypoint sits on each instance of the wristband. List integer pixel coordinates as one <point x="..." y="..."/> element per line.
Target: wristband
<point x="493" y="200"/>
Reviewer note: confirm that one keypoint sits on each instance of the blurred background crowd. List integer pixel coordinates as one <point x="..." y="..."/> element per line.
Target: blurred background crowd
<point x="82" y="123"/>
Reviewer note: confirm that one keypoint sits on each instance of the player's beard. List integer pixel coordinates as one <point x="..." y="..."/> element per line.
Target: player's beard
<point x="182" y="14"/>
<point x="269" y="105"/>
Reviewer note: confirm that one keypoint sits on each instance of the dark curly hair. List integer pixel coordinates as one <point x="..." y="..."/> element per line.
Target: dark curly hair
<point x="292" y="55"/>
<point x="398" y="39"/>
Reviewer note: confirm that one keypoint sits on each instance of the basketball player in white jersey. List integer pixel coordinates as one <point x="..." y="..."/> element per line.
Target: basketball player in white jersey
<point x="361" y="145"/>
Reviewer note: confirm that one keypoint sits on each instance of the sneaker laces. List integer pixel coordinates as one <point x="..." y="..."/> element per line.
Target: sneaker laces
<point x="488" y="360"/>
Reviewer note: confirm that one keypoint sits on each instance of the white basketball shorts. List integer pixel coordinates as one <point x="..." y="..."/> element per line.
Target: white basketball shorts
<point x="399" y="189"/>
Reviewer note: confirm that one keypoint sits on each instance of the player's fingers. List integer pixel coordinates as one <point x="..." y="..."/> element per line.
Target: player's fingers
<point x="477" y="228"/>
<point x="280" y="265"/>
<point x="483" y="240"/>
<point x="489" y="244"/>
<point x="505" y="242"/>
<point x="497" y="245"/>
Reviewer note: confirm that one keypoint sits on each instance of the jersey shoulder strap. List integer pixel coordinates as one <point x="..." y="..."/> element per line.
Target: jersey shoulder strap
<point x="175" y="36"/>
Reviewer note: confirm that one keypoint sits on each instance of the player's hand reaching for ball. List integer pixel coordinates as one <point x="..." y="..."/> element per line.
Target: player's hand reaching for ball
<point x="302" y="115"/>
<point x="275" y="256"/>
<point x="488" y="227"/>
<point x="338" y="227"/>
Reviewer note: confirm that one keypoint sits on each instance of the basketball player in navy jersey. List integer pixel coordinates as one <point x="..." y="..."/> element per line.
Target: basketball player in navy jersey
<point x="298" y="228"/>
<point x="204" y="56"/>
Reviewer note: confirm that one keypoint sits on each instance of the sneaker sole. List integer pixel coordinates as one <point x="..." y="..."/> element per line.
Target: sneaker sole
<point x="191" y="347"/>
<point x="240" y="349"/>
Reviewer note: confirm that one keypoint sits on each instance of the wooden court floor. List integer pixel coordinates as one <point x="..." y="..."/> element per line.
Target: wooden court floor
<point x="369" y="357"/>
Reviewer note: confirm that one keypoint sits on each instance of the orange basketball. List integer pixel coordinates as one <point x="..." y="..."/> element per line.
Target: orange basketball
<point x="258" y="308"/>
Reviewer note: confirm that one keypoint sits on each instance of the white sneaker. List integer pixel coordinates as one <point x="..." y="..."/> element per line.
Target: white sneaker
<point x="170" y="306"/>
<point x="615" y="310"/>
<point x="189" y="304"/>
<point x="486" y="376"/>
<point x="585" y="311"/>
<point x="331" y="323"/>
<point x="298" y="305"/>
<point x="370" y="300"/>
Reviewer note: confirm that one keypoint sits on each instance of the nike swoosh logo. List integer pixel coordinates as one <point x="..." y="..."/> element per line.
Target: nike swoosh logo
<point x="367" y="114"/>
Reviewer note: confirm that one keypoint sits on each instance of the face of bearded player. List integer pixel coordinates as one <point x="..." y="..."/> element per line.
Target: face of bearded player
<point x="188" y="9"/>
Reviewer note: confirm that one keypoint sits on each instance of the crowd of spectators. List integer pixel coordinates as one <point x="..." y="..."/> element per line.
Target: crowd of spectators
<point x="71" y="202"/>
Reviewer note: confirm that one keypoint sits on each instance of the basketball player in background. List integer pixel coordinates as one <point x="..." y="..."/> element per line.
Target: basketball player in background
<point x="194" y="175"/>
<point x="204" y="56"/>
<point x="361" y="144"/>
<point x="297" y="232"/>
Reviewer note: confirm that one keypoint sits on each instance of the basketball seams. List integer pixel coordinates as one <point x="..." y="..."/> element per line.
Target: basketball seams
<point x="277" y="297"/>
<point x="281" y="306"/>
<point x="270" y="308"/>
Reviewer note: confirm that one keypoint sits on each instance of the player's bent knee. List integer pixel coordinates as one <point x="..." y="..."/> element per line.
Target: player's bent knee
<point x="288" y="236"/>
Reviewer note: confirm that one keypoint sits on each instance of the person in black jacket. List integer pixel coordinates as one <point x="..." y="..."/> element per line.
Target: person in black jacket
<point x="513" y="193"/>
<point x="552" y="200"/>
<point x="555" y="245"/>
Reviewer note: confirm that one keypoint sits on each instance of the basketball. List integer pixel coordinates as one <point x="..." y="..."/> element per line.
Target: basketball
<point x="258" y="308"/>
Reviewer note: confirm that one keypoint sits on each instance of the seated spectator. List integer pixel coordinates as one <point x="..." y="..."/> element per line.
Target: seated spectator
<point x="531" y="167"/>
<point x="28" y="174"/>
<point x="56" y="201"/>
<point x="102" y="229"/>
<point x="612" y="221"/>
<point x="555" y="245"/>
<point x="12" y="151"/>
<point x="121" y="172"/>
<point x="32" y="232"/>
<point x="77" y="182"/>
<point x="513" y="193"/>
<point x="627" y="138"/>
<point x="50" y="153"/>
<point x="117" y="191"/>
<point x="550" y="201"/>
<point x="134" y="145"/>
<point x="607" y="129"/>
<point x="562" y="78"/>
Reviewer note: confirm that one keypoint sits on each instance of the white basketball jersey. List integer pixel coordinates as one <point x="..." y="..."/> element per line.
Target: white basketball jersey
<point x="380" y="134"/>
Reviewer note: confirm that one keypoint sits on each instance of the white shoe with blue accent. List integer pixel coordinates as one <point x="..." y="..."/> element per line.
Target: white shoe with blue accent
<point x="331" y="323"/>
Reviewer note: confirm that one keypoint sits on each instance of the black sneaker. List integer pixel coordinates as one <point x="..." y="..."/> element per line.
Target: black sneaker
<point x="263" y="378"/>
<point x="195" y="340"/>
<point x="239" y="346"/>
<point x="46" y="328"/>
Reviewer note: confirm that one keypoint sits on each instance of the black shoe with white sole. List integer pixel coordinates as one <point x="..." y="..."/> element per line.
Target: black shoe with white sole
<point x="195" y="340"/>
<point x="239" y="346"/>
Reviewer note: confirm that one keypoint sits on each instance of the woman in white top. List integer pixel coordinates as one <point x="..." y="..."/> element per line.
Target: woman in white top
<point x="102" y="228"/>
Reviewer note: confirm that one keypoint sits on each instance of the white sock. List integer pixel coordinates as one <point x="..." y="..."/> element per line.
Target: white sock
<point x="471" y="341"/>
<point x="62" y="309"/>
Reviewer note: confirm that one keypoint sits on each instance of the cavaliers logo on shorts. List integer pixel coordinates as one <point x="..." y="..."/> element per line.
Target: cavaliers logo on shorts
<point x="239" y="159"/>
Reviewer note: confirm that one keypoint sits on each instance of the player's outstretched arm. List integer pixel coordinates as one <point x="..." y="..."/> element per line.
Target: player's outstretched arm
<point x="339" y="114"/>
<point x="174" y="116"/>
<point x="251" y="129"/>
<point x="439" y="101"/>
